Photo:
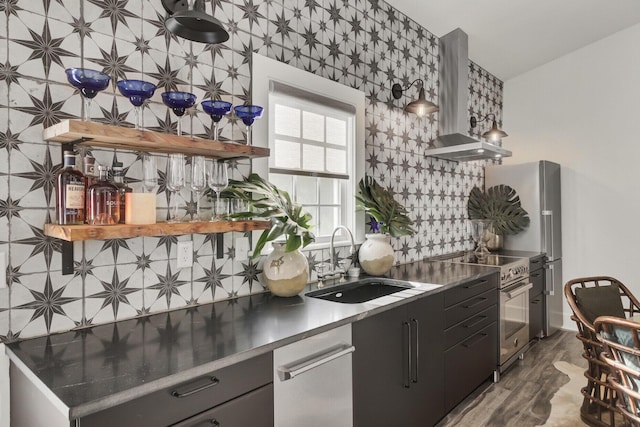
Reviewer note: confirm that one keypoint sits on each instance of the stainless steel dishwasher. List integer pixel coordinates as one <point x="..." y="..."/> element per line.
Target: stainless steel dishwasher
<point x="312" y="381"/>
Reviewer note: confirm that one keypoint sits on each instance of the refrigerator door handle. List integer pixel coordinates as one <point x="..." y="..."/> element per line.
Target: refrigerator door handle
<point x="549" y="285"/>
<point x="548" y="238"/>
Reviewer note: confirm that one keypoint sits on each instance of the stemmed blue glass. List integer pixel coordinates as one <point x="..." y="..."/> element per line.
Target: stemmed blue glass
<point x="179" y="102"/>
<point x="89" y="82"/>
<point x="248" y="114"/>
<point x="137" y="91"/>
<point x="216" y="109"/>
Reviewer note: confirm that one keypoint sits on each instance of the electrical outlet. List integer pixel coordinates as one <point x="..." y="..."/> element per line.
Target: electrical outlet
<point x="242" y="248"/>
<point x="184" y="257"/>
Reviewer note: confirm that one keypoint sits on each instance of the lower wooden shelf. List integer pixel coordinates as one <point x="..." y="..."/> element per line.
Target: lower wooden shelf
<point x="72" y="233"/>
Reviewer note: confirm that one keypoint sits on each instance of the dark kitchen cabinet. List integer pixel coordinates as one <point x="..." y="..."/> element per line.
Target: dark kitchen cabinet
<point x="240" y="394"/>
<point x="397" y="366"/>
<point x="536" y="297"/>
<point x="471" y="337"/>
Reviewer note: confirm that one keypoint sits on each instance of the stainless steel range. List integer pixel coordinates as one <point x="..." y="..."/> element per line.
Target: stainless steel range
<point x="514" y="302"/>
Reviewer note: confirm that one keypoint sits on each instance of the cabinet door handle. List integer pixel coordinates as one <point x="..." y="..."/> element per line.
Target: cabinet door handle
<point x="407" y="379"/>
<point x="473" y="341"/>
<point x="213" y="381"/>
<point x="536" y="301"/>
<point x="535" y="274"/>
<point x="416" y="346"/>
<point x="474" y="322"/>
<point x="288" y="372"/>
<point x="475" y="285"/>
<point x="478" y="302"/>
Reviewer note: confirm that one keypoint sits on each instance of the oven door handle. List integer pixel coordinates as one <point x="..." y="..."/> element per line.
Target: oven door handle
<point x="520" y="290"/>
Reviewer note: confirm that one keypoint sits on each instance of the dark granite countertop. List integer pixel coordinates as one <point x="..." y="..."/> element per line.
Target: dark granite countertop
<point x="99" y="367"/>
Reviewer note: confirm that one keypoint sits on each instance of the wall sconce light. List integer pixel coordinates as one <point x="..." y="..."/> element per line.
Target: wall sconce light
<point x="495" y="133"/>
<point x="188" y="20"/>
<point x="420" y="106"/>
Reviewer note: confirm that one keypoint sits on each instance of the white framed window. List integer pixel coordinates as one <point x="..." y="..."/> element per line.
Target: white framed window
<point x="314" y="128"/>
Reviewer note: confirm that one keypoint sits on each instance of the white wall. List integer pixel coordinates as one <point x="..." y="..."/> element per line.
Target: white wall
<point x="583" y="111"/>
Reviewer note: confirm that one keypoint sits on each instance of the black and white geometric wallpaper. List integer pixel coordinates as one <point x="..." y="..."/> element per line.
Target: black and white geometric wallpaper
<point x="365" y="44"/>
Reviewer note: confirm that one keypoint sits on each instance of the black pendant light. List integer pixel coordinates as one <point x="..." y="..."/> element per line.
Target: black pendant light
<point x="187" y="19"/>
<point x="420" y="106"/>
<point x="493" y="134"/>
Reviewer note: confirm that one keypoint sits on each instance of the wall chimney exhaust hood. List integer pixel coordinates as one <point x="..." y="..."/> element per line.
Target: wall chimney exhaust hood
<point x="454" y="142"/>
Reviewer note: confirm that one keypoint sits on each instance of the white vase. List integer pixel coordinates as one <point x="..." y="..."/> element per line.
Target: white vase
<point x="285" y="273"/>
<point x="376" y="254"/>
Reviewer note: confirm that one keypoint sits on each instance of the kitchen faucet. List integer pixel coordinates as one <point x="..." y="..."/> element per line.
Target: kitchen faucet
<point x="332" y="271"/>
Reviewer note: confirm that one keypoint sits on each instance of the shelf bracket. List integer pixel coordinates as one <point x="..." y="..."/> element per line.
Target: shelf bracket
<point x="219" y="245"/>
<point x="70" y="146"/>
<point x="67" y="258"/>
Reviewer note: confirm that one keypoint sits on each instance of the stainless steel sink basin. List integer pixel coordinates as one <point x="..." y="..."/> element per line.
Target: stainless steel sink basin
<point x="360" y="291"/>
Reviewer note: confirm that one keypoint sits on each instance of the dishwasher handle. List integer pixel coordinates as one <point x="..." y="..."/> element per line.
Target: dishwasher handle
<point x="288" y="372"/>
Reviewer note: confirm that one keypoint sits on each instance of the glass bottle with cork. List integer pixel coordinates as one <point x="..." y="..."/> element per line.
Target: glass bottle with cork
<point x="118" y="181"/>
<point x="104" y="200"/>
<point x="70" y="192"/>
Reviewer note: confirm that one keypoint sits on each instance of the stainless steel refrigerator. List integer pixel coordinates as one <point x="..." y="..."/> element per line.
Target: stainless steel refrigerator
<point x="538" y="185"/>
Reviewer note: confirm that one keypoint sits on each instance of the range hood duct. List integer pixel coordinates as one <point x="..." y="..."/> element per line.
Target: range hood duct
<point x="454" y="142"/>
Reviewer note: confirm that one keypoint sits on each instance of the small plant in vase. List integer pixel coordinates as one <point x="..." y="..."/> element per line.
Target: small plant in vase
<point x="388" y="218"/>
<point x="286" y="269"/>
<point x="501" y="205"/>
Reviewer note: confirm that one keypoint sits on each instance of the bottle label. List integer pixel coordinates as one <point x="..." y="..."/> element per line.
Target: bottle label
<point x="75" y="196"/>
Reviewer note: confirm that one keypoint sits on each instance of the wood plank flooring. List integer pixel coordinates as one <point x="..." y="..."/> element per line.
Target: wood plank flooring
<point x="522" y="398"/>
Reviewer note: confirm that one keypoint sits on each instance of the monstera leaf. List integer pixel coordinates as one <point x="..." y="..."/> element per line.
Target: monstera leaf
<point x="390" y="216"/>
<point x="501" y="205"/>
<point x="287" y="217"/>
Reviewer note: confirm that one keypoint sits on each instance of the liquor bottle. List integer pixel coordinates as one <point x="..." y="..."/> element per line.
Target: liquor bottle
<point x="70" y="192"/>
<point x="89" y="170"/>
<point x="118" y="181"/>
<point x="104" y="200"/>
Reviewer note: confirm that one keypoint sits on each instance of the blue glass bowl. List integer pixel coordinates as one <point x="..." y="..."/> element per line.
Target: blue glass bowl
<point x="216" y="109"/>
<point x="90" y="82"/>
<point x="178" y="101"/>
<point x="248" y="113"/>
<point x="136" y="90"/>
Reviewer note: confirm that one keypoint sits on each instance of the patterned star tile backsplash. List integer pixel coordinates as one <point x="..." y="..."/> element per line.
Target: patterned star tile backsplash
<point x="365" y="44"/>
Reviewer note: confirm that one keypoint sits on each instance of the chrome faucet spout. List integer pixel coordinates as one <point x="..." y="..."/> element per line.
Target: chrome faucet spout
<point x="332" y="249"/>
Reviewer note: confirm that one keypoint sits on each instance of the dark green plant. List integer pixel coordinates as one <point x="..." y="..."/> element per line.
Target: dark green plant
<point x="501" y="204"/>
<point x="378" y="202"/>
<point x="269" y="202"/>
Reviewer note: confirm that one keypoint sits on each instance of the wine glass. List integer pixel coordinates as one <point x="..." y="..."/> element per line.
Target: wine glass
<point x="179" y="102"/>
<point x="175" y="181"/>
<point x="137" y="91"/>
<point x="149" y="173"/>
<point x="89" y="82"/>
<point x="248" y="114"/>
<point x="198" y="181"/>
<point x="216" y="109"/>
<point x="479" y="233"/>
<point x="218" y="180"/>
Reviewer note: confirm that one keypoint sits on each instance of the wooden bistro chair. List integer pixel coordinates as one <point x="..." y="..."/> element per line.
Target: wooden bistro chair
<point x="590" y="297"/>
<point x="621" y="339"/>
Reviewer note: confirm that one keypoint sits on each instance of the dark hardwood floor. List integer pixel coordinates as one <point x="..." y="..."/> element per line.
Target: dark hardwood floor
<point x="522" y="398"/>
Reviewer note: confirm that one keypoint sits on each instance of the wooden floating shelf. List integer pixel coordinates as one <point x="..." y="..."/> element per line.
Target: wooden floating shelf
<point x="99" y="135"/>
<point x="72" y="233"/>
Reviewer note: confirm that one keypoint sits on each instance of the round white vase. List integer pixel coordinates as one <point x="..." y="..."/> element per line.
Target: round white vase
<point x="376" y="254"/>
<point x="285" y="273"/>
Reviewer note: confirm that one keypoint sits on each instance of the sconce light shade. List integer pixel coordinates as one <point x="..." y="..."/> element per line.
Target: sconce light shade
<point x="188" y="20"/>
<point x="420" y="106"/>
<point x="493" y="134"/>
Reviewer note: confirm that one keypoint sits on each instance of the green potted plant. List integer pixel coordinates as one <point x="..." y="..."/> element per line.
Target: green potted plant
<point x="388" y="218"/>
<point x="501" y="205"/>
<point x="286" y="269"/>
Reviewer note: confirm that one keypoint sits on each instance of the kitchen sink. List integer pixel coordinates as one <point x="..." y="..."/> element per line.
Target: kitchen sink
<point x="360" y="291"/>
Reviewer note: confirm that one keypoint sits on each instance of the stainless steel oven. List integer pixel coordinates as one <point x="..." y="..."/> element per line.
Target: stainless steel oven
<point x="514" y="319"/>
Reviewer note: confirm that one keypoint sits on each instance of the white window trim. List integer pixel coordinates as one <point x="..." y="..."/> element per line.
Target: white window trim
<point x="266" y="70"/>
